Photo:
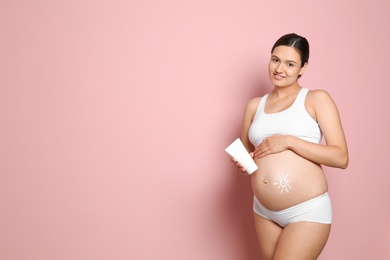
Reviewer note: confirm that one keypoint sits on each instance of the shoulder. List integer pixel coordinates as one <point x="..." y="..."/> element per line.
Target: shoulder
<point x="251" y="108"/>
<point x="252" y="104"/>
<point x="323" y="105"/>
<point x="318" y="97"/>
<point x="317" y="93"/>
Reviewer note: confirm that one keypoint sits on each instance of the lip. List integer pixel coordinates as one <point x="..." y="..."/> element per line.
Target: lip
<point x="278" y="76"/>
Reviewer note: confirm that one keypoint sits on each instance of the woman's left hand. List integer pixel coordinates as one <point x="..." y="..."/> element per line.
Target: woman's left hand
<point x="270" y="145"/>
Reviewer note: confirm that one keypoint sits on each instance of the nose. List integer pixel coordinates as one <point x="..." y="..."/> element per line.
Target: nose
<point x="279" y="68"/>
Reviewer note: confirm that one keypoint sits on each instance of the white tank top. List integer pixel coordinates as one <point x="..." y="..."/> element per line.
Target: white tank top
<point x="295" y="121"/>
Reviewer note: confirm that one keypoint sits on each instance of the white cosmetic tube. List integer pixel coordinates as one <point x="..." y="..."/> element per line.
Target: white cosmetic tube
<point x="238" y="151"/>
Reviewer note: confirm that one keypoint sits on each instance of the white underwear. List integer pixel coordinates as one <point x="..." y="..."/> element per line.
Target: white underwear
<point x="318" y="209"/>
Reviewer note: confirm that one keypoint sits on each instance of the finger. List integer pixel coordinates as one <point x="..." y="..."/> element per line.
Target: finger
<point x="265" y="153"/>
<point x="262" y="153"/>
<point x="259" y="152"/>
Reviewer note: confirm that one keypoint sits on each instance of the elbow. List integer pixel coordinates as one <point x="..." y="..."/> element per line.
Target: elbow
<point x="342" y="160"/>
<point x="343" y="164"/>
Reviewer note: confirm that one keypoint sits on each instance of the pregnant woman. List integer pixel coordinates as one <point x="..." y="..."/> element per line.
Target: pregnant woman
<point x="282" y="130"/>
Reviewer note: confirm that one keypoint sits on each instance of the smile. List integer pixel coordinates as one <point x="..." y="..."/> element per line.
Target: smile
<point x="278" y="76"/>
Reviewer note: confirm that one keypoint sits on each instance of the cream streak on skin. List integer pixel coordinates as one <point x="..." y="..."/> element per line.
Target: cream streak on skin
<point x="283" y="183"/>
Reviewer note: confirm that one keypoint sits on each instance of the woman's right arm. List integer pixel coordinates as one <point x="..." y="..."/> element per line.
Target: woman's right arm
<point x="249" y="112"/>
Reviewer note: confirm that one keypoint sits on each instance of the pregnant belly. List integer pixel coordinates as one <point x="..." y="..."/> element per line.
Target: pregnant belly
<point x="285" y="179"/>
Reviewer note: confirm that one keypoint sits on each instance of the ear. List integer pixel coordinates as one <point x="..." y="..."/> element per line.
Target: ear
<point x="302" y="70"/>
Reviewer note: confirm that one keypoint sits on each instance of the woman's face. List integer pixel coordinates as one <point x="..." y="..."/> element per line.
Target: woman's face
<point x="285" y="66"/>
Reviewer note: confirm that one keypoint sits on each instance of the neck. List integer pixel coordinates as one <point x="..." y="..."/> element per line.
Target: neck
<point x="286" y="91"/>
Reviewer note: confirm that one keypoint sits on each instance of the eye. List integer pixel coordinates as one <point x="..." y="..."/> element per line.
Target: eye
<point x="275" y="60"/>
<point x="290" y="64"/>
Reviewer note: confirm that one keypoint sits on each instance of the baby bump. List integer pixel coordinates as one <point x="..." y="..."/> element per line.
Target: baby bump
<point x="285" y="179"/>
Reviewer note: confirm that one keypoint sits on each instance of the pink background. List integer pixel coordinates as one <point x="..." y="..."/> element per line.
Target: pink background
<point x="115" y="116"/>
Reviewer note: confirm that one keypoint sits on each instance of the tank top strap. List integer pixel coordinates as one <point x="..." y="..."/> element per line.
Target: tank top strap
<point x="300" y="100"/>
<point x="260" y="108"/>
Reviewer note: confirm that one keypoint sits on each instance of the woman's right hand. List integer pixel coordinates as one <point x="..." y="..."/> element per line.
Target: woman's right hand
<point x="240" y="168"/>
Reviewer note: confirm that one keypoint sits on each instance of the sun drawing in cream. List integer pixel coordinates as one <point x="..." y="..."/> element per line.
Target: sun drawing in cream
<point x="283" y="183"/>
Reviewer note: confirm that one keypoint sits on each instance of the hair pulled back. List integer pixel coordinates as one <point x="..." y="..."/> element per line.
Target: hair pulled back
<point x="298" y="42"/>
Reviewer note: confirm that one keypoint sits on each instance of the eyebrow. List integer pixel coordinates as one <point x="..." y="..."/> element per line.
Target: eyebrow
<point x="274" y="56"/>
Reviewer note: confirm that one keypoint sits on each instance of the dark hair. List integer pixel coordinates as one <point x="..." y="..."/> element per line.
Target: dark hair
<point x="298" y="42"/>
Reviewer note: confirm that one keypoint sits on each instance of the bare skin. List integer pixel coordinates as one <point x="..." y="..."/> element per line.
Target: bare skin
<point x="299" y="240"/>
<point x="302" y="161"/>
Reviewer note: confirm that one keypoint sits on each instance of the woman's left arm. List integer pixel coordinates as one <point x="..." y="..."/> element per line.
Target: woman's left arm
<point x="333" y="154"/>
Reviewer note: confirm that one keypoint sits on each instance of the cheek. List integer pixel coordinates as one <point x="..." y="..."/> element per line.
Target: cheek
<point x="271" y="67"/>
<point x="293" y="72"/>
